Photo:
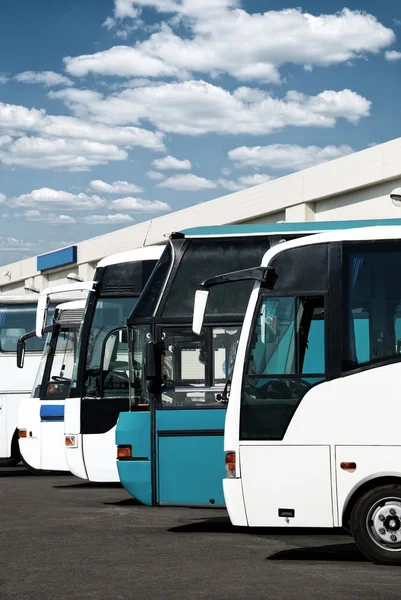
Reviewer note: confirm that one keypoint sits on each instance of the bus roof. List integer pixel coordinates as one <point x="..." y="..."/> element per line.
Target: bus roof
<point x="286" y="227"/>
<point x="361" y="234"/>
<point x="137" y="254"/>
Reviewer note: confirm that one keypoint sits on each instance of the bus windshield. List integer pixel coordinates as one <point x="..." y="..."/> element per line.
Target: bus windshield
<point x="16" y="320"/>
<point x="109" y="314"/>
<point x="285" y="358"/>
<point x="59" y="349"/>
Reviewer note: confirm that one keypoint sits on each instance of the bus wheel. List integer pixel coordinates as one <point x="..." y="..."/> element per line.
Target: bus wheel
<point x="376" y="524"/>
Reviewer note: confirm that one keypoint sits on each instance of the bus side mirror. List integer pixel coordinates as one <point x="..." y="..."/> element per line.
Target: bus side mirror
<point x="20" y="353"/>
<point x="201" y="297"/>
<point x="152" y="379"/>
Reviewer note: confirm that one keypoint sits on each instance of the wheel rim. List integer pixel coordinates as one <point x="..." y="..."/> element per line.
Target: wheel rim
<point x="383" y="523"/>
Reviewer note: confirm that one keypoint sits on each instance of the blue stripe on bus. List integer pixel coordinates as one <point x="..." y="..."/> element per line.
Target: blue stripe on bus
<point x="52" y="412"/>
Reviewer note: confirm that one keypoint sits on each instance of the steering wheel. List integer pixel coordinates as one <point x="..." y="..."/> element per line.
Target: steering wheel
<point x="118" y="376"/>
<point x="60" y="379"/>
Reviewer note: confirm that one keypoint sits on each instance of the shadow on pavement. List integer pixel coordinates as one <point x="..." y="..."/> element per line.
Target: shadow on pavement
<point x="333" y="553"/>
<point x="87" y="484"/>
<point x="126" y="502"/>
<point x="14" y="472"/>
<point x="222" y="524"/>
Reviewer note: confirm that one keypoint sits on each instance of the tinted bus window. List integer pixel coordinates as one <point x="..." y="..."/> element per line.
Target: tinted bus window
<point x="16" y="320"/>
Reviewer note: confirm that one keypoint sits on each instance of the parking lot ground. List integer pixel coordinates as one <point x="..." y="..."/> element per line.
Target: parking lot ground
<point x="62" y="538"/>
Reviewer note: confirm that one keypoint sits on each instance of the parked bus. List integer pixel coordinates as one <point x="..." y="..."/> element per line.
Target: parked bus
<point x="41" y="417"/>
<point x="311" y="435"/>
<point x="99" y="389"/>
<point x="17" y="316"/>
<point x="170" y="442"/>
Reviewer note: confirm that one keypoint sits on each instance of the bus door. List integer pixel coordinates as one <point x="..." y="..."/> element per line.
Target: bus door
<point x="188" y="424"/>
<point x="286" y="357"/>
<point x="99" y="415"/>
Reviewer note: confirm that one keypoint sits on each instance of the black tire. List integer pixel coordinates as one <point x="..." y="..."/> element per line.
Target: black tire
<point x="373" y="536"/>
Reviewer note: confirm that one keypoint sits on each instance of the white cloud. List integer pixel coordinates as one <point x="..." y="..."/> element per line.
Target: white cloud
<point x="21" y="119"/>
<point x="54" y="219"/>
<point x="286" y="156"/>
<point x="198" y="107"/>
<point x="49" y="199"/>
<point x="171" y="163"/>
<point x="154" y="175"/>
<point x="123" y="61"/>
<point x="59" y="154"/>
<point x="47" y="78"/>
<point x="107" y="219"/>
<point x="139" y="205"/>
<point x="222" y="38"/>
<point x="228" y="184"/>
<point x="225" y="171"/>
<point x="187" y="182"/>
<point x="117" y="187"/>
<point x="10" y="244"/>
<point x="392" y="55"/>
<point x="3" y="78"/>
<point x="2" y="198"/>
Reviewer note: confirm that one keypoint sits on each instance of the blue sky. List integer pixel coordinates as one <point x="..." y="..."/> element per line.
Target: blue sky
<point x="113" y="112"/>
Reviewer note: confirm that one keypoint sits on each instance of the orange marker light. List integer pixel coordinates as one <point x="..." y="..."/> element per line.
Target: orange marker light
<point x="124" y="452"/>
<point x="22" y="433"/>
<point x="350" y="467"/>
<point x="70" y="441"/>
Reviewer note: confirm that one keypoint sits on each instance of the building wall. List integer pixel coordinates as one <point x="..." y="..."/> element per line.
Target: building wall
<point x="352" y="187"/>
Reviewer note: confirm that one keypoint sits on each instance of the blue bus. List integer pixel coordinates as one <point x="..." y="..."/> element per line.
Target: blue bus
<point x="170" y="443"/>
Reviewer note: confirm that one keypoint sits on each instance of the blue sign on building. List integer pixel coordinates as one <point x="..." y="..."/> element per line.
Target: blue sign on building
<point x="58" y="258"/>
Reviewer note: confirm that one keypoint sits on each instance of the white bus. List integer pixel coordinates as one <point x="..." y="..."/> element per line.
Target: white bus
<point x="41" y="417"/>
<point x="100" y="381"/>
<point x="17" y="316"/>
<point x="311" y="432"/>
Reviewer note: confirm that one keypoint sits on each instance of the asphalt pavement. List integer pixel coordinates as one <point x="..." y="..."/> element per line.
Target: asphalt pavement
<point x="62" y="538"/>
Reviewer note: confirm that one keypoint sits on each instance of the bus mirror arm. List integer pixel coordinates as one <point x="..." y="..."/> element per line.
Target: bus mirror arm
<point x="266" y="275"/>
<point x="225" y="396"/>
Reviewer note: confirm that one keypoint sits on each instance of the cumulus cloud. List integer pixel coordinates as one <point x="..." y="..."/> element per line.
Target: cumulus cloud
<point x="117" y="187"/>
<point x="139" y="205"/>
<point x="21" y="119"/>
<point x="392" y="55"/>
<point x="49" y="199"/>
<point x="59" y="154"/>
<point x="197" y="107"/>
<point x="52" y="218"/>
<point x="3" y="78"/>
<point x="107" y="219"/>
<point x="10" y="244"/>
<point x="154" y="175"/>
<point x="286" y="156"/>
<point x="170" y="163"/>
<point x="223" y="39"/>
<point x="189" y="182"/>
<point x="46" y="78"/>
<point x="2" y="198"/>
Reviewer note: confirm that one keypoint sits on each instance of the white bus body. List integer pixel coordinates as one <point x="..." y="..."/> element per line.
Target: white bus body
<point x="17" y="316"/>
<point x="41" y="417"/>
<point x="311" y="432"/>
<point x="90" y="414"/>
